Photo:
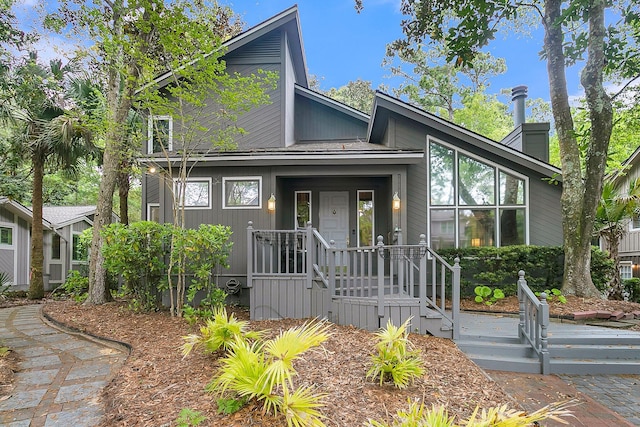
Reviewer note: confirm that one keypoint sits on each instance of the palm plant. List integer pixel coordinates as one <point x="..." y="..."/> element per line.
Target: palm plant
<point x="614" y="211"/>
<point x="51" y="130"/>
<point x="395" y="360"/>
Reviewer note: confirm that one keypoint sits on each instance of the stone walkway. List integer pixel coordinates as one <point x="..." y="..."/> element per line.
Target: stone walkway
<point x="61" y="375"/>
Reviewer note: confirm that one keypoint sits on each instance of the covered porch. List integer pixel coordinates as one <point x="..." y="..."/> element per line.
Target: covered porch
<point x="299" y="274"/>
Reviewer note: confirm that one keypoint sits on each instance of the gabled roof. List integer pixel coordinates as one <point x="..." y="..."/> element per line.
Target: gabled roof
<point x="332" y="103"/>
<point x="632" y="161"/>
<point x="60" y="216"/>
<point x="385" y="104"/>
<point x="288" y="20"/>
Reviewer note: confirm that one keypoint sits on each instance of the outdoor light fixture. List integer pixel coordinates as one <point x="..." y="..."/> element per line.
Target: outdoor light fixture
<point x="271" y="203"/>
<point x="152" y="169"/>
<point x="396" y="202"/>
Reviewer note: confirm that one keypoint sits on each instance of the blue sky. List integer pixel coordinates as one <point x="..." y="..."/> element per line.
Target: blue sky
<point x="342" y="45"/>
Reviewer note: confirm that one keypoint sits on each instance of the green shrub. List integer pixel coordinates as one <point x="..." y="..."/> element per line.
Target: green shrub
<point x="76" y="286"/>
<point x="189" y="418"/>
<point x="394" y="359"/>
<point x="553" y="295"/>
<point x="486" y="295"/>
<point x="632" y="287"/>
<point x="498" y="267"/>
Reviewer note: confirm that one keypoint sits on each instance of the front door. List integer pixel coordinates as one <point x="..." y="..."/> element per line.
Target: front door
<point x="334" y="217"/>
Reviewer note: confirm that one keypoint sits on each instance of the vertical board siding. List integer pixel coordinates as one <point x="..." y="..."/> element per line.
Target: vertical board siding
<point x="280" y="298"/>
<point x="317" y="122"/>
<point x="7" y="262"/>
<point x="545" y="213"/>
<point x="23" y="243"/>
<point x="80" y="226"/>
<point x="6" y="216"/>
<point x="152" y="192"/>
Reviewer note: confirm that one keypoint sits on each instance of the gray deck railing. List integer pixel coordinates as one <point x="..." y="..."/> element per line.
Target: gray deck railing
<point x="381" y="272"/>
<point x="534" y="321"/>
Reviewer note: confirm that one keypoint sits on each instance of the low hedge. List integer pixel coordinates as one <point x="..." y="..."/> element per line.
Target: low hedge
<point x="498" y="267"/>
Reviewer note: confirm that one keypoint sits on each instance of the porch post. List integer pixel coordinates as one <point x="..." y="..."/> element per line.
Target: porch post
<point x="250" y="255"/>
<point x="521" y="307"/>
<point x="308" y="251"/>
<point x="331" y="275"/>
<point x="423" y="275"/>
<point x="380" y="277"/>
<point x="455" y="303"/>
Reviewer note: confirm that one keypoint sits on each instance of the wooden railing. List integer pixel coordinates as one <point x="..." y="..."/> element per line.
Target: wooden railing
<point x="534" y="321"/>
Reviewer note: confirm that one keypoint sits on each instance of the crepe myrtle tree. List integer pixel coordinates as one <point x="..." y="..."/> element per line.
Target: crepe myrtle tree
<point x="602" y="35"/>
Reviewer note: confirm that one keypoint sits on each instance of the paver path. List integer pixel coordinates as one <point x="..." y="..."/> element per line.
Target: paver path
<point x="61" y="376"/>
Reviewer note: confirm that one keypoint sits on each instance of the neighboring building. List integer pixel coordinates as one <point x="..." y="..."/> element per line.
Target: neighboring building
<point x="629" y="247"/>
<point x="399" y="172"/>
<point x="62" y="228"/>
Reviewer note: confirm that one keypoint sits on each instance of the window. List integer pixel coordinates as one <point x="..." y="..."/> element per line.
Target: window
<point x="153" y="212"/>
<point x="473" y="202"/>
<point x="303" y="208"/>
<point x="626" y="270"/>
<point x="6" y="236"/>
<point x="197" y="193"/>
<point x="78" y="253"/>
<point x="635" y="221"/>
<point x="243" y="192"/>
<point x="365" y="218"/>
<point x="55" y="246"/>
<point x="160" y="134"/>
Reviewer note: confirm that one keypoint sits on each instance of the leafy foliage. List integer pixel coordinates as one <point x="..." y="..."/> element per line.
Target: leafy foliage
<point x="222" y="331"/>
<point x="554" y="294"/>
<point x="76" y="286"/>
<point x="264" y="370"/>
<point x="188" y="418"/>
<point x="498" y="267"/>
<point x="394" y="359"/>
<point x="486" y="295"/>
<point x="229" y="405"/>
<point x="500" y="416"/>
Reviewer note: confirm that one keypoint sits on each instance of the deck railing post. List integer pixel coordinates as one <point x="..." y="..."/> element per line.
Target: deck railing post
<point x="251" y="254"/>
<point x="521" y="306"/>
<point x="543" y="321"/>
<point x="455" y="299"/>
<point x="331" y="274"/>
<point x="310" y="256"/>
<point x="423" y="275"/>
<point x="380" y="277"/>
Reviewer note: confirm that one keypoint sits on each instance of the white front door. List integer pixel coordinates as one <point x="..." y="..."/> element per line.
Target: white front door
<point x="334" y="217"/>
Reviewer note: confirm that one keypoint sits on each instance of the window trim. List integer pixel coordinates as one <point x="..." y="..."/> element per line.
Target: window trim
<point x="626" y="264"/>
<point x="73" y="252"/>
<point x="152" y="205"/>
<point x="457" y="207"/>
<point x="241" y="178"/>
<point x="295" y="207"/>
<point x="150" y="126"/>
<point x="195" y="179"/>
<point x="11" y="227"/>
<point x="632" y="221"/>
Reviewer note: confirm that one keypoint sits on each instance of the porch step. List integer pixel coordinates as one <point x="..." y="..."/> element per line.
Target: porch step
<point x="567" y="355"/>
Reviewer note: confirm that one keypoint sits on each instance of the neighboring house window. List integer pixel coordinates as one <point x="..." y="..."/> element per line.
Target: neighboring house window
<point x="303" y="208"/>
<point x="473" y="202"/>
<point x="78" y="252"/>
<point x="160" y="134"/>
<point x="6" y="236"/>
<point x="197" y="193"/>
<point x="366" y="219"/>
<point x="55" y="246"/>
<point x="242" y="192"/>
<point x="635" y="221"/>
<point x="153" y="212"/>
<point x="626" y="270"/>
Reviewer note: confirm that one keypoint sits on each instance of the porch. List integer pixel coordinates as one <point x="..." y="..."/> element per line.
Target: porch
<point x="298" y="274"/>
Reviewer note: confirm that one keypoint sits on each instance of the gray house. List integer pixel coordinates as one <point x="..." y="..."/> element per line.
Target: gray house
<point x="62" y="227"/>
<point x="399" y="172"/>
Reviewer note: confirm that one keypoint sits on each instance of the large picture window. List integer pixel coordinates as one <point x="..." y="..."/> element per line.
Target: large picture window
<point x="197" y="193"/>
<point x="242" y="192"/>
<point x="473" y="202"/>
<point x="160" y="134"/>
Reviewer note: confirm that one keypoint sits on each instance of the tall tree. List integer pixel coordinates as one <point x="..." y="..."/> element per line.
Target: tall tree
<point x="50" y="131"/>
<point x="617" y="206"/>
<point x="357" y="94"/>
<point x="573" y="30"/>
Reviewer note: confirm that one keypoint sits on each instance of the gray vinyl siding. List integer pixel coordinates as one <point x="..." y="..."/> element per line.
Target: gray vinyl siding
<point x="7" y="262"/>
<point x="317" y="122"/>
<point x="545" y="213"/>
<point x="151" y="191"/>
<point x="288" y="106"/>
<point x="6" y="216"/>
<point x="630" y="242"/>
<point x="80" y="226"/>
<point x="23" y="243"/>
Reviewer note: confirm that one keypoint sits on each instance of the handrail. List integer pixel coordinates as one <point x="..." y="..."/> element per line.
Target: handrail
<point x="534" y="321"/>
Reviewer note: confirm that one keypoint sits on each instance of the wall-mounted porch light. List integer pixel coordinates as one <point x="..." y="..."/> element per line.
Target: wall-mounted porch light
<point x="396" y="202"/>
<point x="271" y="203"/>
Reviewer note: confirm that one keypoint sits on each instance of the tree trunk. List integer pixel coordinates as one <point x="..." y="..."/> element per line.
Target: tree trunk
<point x="580" y="195"/>
<point x="123" y="192"/>
<point x="36" y="281"/>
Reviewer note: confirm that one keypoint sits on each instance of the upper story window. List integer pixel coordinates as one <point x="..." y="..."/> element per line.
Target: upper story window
<point x="160" y="134"/>
<point x="243" y="192"/>
<point x="473" y="202"/>
<point x="197" y="193"/>
<point x="6" y="236"/>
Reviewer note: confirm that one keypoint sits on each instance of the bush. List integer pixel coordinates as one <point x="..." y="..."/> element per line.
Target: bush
<point x="76" y="286"/>
<point x="632" y="288"/>
<point x="498" y="267"/>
